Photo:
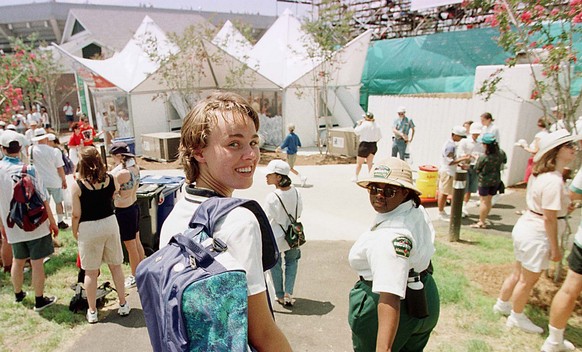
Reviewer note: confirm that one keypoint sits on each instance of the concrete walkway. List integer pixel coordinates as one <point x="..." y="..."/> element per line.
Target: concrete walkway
<point x="336" y="212"/>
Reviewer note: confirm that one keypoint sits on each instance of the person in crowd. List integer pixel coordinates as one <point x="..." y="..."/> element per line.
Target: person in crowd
<point x="219" y="148"/>
<point x="76" y="142"/>
<point x="448" y="169"/>
<point x="291" y="143"/>
<point x="29" y="134"/>
<point x="87" y="130"/>
<point x="35" y="116"/>
<point x="395" y="304"/>
<point x="126" y="174"/>
<point x="403" y="129"/>
<point x="284" y="200"/>
<point x="472" y="148"/>
<point x="49" y="165"/>
<point x="535" y="235"/>
<point x="69" y="115"/>
<point x="467" y="124"/>
<point x="19" y="122"/>
<point x="44" y="118"/>
<point x="533" y="147"/>
<point x="559" y="122"/>
<point x="488" y="168"/>
<point x="123" y="125"/>
<point x="565" y="299"/>
<point x="489" y="126"/>
<point x="95" y="228"/>
<point x="369" y="133"/>
<point x="34" y="245"/>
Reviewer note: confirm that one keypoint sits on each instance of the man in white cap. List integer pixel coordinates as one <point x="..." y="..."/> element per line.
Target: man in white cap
<point x="36" y="244"/>
<point x="448" y="168"/>
<point x="30" y="132"/>
<point x="49" y="165"/>
<point x="403" y="129"/>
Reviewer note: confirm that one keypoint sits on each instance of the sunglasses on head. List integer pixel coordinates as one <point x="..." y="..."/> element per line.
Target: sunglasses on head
<point x="386" y="192"/>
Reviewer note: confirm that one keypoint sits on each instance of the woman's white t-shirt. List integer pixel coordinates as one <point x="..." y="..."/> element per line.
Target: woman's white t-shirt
<point x="278" y="217"/>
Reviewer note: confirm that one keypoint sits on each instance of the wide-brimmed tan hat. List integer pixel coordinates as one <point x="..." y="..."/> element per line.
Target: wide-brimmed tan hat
<point x="554" y="139"/>
<point x="392" y="171"/>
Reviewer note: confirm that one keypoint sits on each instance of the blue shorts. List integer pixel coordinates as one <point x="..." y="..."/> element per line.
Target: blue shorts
<point x="57" y="194"/>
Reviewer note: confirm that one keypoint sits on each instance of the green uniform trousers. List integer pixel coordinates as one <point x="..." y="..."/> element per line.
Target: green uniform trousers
<point x="412" y="334"/>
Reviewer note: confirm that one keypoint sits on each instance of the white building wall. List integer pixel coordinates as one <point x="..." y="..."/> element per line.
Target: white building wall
<point x="149" y="116"/>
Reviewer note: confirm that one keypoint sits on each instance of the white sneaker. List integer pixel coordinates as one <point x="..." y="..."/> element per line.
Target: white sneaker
<point x="303" y="181"/>
<point x="557" y="347"/>
<point x="464" y="212"/>
<point x="522" y="322"/>
<point x="503" y="308"/>
<point x="130" y="281"/>
<point x="443" y="216"/>
<point x="92" y="317"/>
<point x="124" y="309"/>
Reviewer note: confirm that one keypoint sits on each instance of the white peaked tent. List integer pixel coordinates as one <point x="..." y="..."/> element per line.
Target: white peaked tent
<point x="233" y="42"/>
<point x="281" y="53"/>
<point x="281" y="56"/>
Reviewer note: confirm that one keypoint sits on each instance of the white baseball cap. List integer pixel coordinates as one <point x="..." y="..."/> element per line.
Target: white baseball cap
<point x="277" y="167"/>
<point x="459" y="131"/>
<point x="10" y="136"/>
<point x="401" y="109"/>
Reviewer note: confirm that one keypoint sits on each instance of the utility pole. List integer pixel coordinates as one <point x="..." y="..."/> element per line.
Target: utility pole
<point x="459" y="184"/>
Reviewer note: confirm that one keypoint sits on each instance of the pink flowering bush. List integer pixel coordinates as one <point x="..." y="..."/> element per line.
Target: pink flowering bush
<point x="541" y="32"/>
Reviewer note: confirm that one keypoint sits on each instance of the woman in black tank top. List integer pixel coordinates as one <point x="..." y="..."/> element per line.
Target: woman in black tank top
<point x="95" y="228"/>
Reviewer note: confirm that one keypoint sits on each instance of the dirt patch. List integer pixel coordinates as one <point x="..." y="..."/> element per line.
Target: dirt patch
<point x="490" y="278"/>
<point x="266" y="156"/>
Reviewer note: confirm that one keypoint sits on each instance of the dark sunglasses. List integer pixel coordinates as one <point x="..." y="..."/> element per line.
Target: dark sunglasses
<point x="386" y="192"/>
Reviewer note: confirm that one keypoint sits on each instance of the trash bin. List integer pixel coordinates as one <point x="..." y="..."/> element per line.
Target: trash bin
<point x="156" y="198"/>
<point x="427" y="181"/>
<point x="130" y="141"/>
<point x="148" y="198"/>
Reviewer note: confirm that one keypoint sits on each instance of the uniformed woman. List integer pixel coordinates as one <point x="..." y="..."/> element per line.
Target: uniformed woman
<point x="395" y="304"/>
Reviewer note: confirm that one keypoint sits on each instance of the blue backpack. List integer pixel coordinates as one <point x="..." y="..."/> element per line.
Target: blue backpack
<point x="193" y="292"/>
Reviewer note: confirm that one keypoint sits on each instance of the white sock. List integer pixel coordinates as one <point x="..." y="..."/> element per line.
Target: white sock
<point x="556" y="335"/>
<point x="502" y="302"/>
<point x="60" y="217"/>
<point x="516" y="315"/>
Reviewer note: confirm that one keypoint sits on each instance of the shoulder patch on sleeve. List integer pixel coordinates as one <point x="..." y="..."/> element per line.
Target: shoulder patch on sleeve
<point x="402" y="246"/>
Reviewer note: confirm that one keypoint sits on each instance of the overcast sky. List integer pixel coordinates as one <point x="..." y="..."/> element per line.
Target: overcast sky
<point x="264" y="7"/>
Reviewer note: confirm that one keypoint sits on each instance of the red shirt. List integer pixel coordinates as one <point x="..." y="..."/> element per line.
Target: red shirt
<point x="76" y="140"/>
<point x="88" y="132"/>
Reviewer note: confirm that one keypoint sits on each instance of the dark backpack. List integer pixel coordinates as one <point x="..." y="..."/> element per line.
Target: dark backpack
<point x="294" y="234"/>
<point x="68" y="166"/>
<point x="27" y="208"/>
<point x="79" y="304"/>
<point x="193" y="292"/>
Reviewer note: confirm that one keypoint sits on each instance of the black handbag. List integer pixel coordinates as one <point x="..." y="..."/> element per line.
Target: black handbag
<point x="294" y="234"/>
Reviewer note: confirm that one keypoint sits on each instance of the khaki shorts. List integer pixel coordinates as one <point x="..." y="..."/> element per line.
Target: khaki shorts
<point x="445" y="183"/>
<point x="99" y="241"/>
<point x="291" y="159"/>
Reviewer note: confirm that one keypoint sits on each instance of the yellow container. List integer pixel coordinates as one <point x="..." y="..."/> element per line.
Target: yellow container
<point x="427" y="181"/>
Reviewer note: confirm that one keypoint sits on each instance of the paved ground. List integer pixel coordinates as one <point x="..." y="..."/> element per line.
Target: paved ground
<point x="336" y="211"/>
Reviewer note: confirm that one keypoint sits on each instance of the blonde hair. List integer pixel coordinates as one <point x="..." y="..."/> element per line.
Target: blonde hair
<point x="202" y="120"/>
<point x="91" y="166"/>
<point x="291" y="127"/>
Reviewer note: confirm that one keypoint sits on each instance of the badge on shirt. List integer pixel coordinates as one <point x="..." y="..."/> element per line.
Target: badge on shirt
<point x="402" y="246"/>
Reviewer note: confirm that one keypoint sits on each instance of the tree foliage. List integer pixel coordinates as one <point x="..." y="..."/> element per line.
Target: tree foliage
<point x="544" y="34"/>
<point x="30" y="75"/>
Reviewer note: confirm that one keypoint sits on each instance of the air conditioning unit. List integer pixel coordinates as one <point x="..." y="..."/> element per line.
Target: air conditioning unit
<point x="161" y="146"/>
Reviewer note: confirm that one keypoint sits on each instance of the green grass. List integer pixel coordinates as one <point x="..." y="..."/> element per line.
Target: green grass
<point x="467" y="322"/>
<point x="21" y="329"/>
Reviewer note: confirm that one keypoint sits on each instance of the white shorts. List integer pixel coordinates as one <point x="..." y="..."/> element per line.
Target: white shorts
<point x="530" y="245"/>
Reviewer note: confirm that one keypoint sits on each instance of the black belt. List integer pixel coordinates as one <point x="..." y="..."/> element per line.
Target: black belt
<point x="559" y="217"/>
<point x="423" y="275"/>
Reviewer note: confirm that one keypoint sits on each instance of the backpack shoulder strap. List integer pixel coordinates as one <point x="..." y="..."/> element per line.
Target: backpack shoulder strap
<point x="214" y="208"/>
<point x="297" y="202"/>
<point x="285" y="209"/>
